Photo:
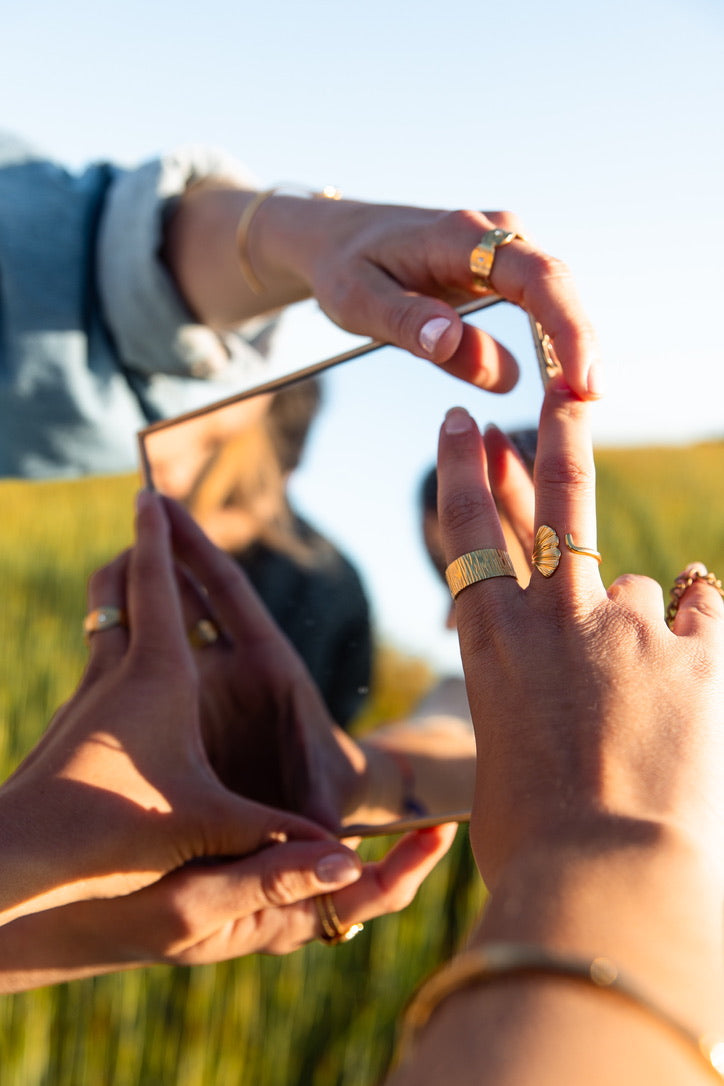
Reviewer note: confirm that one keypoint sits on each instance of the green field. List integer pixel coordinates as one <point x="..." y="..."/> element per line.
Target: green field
<point x="320" y="1017"/>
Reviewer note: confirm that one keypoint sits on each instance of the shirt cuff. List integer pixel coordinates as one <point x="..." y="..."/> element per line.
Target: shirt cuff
<point x="154" y="332"/>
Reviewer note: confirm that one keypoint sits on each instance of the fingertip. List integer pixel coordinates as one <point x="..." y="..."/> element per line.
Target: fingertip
<point x="338" y="868"/>
<point x="439" y="338"/>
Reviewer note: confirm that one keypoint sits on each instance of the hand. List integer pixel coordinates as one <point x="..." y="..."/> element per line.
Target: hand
<point x="394" y="273"/>
<point x="120" y="791"/>
<point x="198" y="915"/>
<point x="266" y="729"/>
<point x="592" y="718"/>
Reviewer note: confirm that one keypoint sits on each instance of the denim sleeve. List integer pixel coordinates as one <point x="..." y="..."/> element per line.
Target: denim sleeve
<point x="153" y="331"/>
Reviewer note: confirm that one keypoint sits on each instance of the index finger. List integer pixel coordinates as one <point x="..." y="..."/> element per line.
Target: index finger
<point x="155" y="616"/>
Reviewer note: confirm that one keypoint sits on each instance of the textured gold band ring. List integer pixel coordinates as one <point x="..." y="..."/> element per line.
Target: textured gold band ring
<point x="683" y="582"/>
<point x="482" y="257"/>
<point x="103" y="618"/>
<point x="477" y="566"/>
<point x="332" y="931"/>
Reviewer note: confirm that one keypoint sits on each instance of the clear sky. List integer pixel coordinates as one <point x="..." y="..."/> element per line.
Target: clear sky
<point x="599" y="124"/>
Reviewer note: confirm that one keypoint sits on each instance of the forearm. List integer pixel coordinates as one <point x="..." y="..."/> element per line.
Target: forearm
<point x="201" y="251"/>
<point x="652" y="911"/>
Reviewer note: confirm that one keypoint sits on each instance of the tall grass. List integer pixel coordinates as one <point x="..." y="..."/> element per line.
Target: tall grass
<point x="319" y="1017"/>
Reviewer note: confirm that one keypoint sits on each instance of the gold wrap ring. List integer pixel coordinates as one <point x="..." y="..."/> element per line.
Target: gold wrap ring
<point x="587" y="551"/>
<point x="482" y="257"/>
<point x="478" y="566"/>
<point x="683" y="582"/>
<point x="332" y="931"/>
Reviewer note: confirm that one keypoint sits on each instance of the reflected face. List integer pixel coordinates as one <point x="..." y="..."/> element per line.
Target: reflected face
<point x="181" y="451"/>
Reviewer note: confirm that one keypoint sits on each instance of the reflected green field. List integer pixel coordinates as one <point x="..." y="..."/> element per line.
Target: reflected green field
<point x="320" y="1017"/>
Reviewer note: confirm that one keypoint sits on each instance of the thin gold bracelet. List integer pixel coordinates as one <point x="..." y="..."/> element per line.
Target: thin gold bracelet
<point x="329" y="192"/>
<point x="508" y="961"/>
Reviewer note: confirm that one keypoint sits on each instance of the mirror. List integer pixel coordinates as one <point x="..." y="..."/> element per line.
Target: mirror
<point x="313" y="481"/>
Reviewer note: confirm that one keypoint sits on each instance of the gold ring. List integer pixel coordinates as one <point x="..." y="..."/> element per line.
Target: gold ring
<point x="332" y="931"/>
<point x="546" y="551"/>
<point x="482" y="257"/>
<point x="477" y="566"/>
<point x="103" y="618"/>
<point x="682" y="583"/>
<point x="203" y="633"/>
<point x="587" y="551"/>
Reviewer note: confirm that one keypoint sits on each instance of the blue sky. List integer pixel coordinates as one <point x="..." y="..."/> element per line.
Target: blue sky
<point x="599" y="124"/>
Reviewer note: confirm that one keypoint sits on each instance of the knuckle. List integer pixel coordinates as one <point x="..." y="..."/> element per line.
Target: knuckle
<point x="559" y="469"/>
<point x="457" y="510"/>
<point x="279" y="886"/>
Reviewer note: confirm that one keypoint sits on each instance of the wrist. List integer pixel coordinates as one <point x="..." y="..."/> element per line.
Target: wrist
<point x="642" y="896"/>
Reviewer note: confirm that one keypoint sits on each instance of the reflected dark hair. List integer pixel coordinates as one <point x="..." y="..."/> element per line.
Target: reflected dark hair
<point x="525" y="442"/>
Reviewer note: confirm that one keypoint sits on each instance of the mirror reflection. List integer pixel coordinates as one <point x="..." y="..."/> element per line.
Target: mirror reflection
<point x="323" y="489"/>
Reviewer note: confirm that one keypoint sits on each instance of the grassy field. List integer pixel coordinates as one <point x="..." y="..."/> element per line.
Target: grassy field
<point x="320" y="1017"/>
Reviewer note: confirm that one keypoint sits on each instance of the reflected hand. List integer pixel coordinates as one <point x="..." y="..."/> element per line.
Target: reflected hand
<point x="266" y="728"/>
<point x="119" y="791"/>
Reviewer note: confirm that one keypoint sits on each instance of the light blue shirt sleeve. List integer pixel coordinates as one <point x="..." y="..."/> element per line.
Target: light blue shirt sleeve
<point x="95" y="340"/>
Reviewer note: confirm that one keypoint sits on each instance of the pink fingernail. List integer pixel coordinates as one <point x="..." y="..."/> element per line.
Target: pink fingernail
<point x="431" y="332"/>
<point x="457" y="421"/>
<point x="338" y="867"/>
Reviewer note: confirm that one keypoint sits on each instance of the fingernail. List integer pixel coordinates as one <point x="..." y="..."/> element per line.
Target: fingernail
<point x="594" y="382"/>
<point x="431" y="332"/>
<point x="457" y="421"/>
<point x="338" y="867"/>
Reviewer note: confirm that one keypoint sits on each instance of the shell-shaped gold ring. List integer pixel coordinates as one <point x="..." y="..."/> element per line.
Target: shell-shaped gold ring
<point x="546" y="551"/>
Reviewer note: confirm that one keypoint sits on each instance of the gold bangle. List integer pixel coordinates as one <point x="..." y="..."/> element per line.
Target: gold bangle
<point x="509" y="961"/>
<point x="329" y="192"/>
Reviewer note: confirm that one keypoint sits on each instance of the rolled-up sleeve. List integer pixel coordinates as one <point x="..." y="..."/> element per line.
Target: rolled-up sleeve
<point x="154" y="332"/>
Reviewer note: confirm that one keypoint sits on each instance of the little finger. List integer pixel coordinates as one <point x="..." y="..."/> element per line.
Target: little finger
<point x="696" y="605"/>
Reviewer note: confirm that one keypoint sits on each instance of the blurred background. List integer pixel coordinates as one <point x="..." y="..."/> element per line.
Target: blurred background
<point x="601" y="127"/>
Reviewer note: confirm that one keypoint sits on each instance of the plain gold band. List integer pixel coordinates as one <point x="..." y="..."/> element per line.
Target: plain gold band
<point x="478" y="566"/>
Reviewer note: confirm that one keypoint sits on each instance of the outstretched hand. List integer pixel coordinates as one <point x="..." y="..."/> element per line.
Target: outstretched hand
<point x="569" y="764"/>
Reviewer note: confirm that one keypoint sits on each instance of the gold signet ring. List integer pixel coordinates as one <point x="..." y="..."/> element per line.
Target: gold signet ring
<point x="587" y="551"/>
<point x="332" y="931"/>
<point x="103" y="618"/>
<point x="477" y="566"/>
<point x="203" y="633"/>
<point x="483" y="255"/>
